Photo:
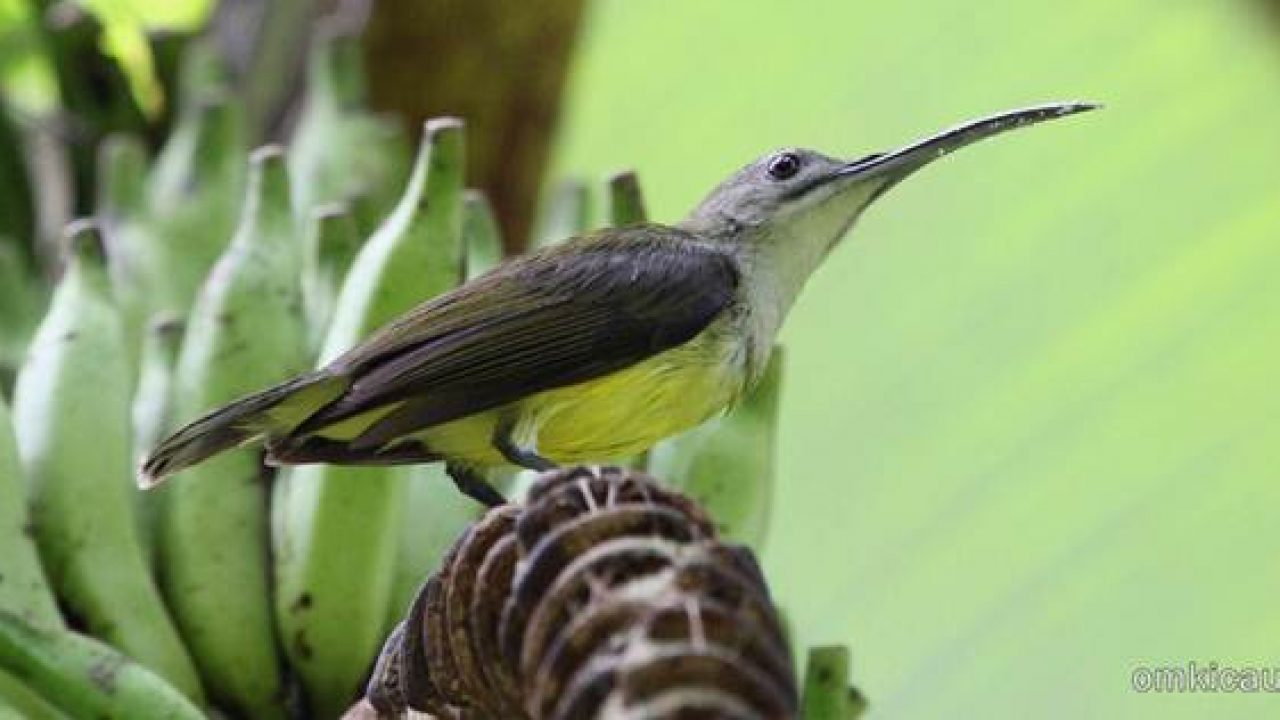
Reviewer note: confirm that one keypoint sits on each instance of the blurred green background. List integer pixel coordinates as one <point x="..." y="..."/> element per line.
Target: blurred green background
<point x="1029" y="436"/>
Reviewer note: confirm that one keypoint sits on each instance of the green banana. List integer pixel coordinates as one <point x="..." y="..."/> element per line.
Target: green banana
<point x="340" y="526"/>
<point x="431" y="494"/>
<point x="86" y="678"/>
<point x="727" y="464"/>
<point x="17" y="204"/>
<point x="339" y="151"/>
<point x="21" y="701"/>
<point x="827" y="694"/>
<point x="567" y="212"/>
<point x="71" y="413"/>
<point x="167" y="47"/>
<point x="137" y="263"/>
<point x="23" y="588"/>
<point x="332" y="241"/>
<point x="434" y="516"/>
<point x="20" y="305"/>
<point x="481" y="236"/>
<point x="246" y="330"/>
<point x="195" y="190"/>
<point x="150" y="414"/>
<point x="191" y="73"/>
<point x="626" y="201"/>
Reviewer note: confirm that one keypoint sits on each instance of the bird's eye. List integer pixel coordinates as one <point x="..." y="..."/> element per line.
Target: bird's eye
<point x="784" y="165"/>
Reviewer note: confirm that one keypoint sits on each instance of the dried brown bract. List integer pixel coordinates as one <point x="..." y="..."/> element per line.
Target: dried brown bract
<point x="605" y="595"/>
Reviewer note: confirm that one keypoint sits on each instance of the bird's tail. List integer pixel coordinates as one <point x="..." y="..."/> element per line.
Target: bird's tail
<point x="275" y="410"/>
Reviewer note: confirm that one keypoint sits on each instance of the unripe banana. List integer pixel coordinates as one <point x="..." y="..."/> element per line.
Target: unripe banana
<point x="21" y="301"/>
<point x="481" y="238"/>
<point x="728" y="464"/>
<point x="431" y="492"/>
<point x="626" y="201"/>
<point x="71" y="413"/>
<point x="86" y="678"/>
<point x="246" y="330"/>
<point x="195" y="191"/>
<point x="339" y="151"/>
<point x="332" y="241"/>
<point x="138" y="262"/>
<point x="340" y="527"/>
<point x="150" y="412"/>
<point x="17" y="201"/>
<point x="22" y="702"/>
<point x="566" y="213"/>
<point x="827" y="692"/>
<point x="23" y="588"/>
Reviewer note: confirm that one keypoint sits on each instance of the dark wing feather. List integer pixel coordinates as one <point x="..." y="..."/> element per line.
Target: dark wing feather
<point x="568" y="314"/>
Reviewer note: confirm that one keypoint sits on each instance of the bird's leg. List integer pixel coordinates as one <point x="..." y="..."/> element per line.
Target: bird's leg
<point x="516" y="455"/>
<point x="474" y="485"/>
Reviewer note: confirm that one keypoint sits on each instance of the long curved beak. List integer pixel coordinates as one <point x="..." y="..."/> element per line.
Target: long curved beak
<point x="896" y="165"/>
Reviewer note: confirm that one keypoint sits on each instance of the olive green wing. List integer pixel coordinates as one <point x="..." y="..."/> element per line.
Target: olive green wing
<point x="559" y="317"/>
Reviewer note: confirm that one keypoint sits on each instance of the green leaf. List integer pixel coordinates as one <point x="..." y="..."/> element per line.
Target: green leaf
<point x="1028" y="441"/>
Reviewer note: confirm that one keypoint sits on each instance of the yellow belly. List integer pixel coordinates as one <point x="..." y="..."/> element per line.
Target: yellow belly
<point x="615" y="416"/>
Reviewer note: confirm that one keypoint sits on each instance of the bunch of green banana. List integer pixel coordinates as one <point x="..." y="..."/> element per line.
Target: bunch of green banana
<point x="339" y="151"/>
<point x="71" y="413"/>
<point x="340" y="526"/>
<point x="23" y="589"/>
<point x="728" y="464"/>
<point x="247" y="329"/>
<point x="65" y="671"/>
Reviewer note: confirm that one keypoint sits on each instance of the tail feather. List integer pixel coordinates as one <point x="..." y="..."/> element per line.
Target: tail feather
<point x="272" y="411"/>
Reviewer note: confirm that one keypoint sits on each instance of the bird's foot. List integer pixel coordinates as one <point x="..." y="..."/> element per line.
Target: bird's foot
<point x="474" y="485"/>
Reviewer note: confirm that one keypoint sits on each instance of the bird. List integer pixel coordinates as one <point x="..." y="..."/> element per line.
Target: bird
<point x="591" y="349"/>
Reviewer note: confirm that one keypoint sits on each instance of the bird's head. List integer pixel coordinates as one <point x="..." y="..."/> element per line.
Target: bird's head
<point x="794" y="205"/>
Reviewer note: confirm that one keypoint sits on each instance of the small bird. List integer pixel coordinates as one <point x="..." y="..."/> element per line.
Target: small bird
<point x="595" y="348"/>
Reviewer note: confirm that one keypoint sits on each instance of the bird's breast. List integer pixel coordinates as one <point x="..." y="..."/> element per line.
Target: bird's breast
<point x="628" y="411"/>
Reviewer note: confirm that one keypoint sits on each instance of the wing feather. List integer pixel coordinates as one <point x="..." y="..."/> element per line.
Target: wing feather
<point x="562" y="316"/>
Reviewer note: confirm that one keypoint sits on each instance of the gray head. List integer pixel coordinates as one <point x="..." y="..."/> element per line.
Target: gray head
<point x="807" y="201"/>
